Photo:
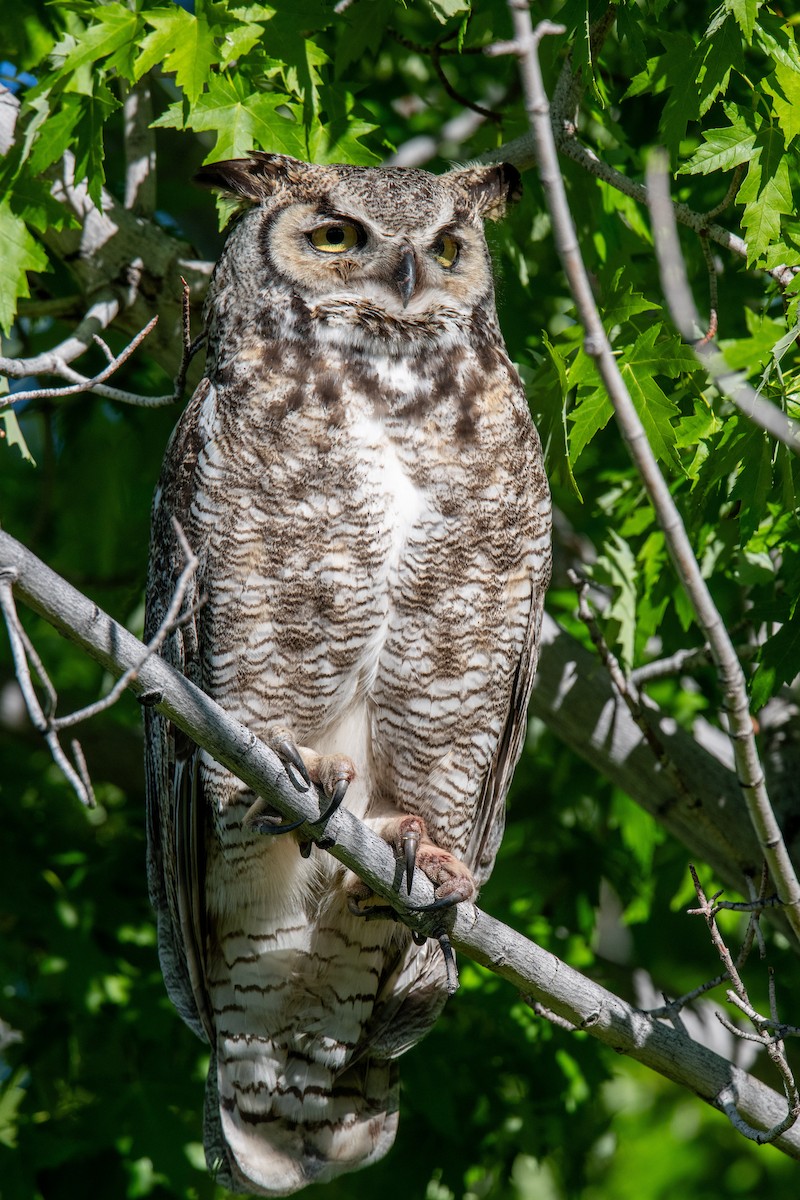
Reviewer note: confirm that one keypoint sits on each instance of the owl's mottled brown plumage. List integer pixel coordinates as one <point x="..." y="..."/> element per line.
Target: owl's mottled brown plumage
<point x="362" y="484"/>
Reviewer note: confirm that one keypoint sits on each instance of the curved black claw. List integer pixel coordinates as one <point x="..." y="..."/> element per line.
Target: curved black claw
<point x="261" y="819"/>
<point x="289" y="755"/>
<point x="410" y="847"/>
<point x="336" y="799"/>
<point x="323" y="843"/>
<point x="449" y="960"/>
<point x="419" y="939"/>
<point x="271" y="828"/>
<point x="375" y="912"/>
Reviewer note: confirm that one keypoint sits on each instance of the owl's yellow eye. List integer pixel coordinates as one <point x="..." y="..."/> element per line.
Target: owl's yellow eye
<point x="334" y="238"/>
<point x="445" y="250"/>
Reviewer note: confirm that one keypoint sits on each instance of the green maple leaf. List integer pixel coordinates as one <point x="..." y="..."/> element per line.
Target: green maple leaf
<point x="54" y="135"/>
<point x="21" y="253"/>
<point x="241" y="119"/>
<point x="745" y="12"/>
<point x="681" y="67"/>
<point x="724" y="54"/>
<point x="639" y="367"/>
<point x="766" y="192"/>
<point x="753" y="484"/>
<point x="12" y="434"/>
<point x="184" y="44"/>
<point x="549" y="391"/>
<point x="778" y="665"/>
<point x="591" y="414"/>
<point x="784" y="87"/>
<point x="114" y="29"/>
<point x="617" y="568"/>
<point x="445" y="10"/>
<point x="722" y="149"/>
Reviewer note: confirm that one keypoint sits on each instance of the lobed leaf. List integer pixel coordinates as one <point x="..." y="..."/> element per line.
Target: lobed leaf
<point x="21" y="253"/>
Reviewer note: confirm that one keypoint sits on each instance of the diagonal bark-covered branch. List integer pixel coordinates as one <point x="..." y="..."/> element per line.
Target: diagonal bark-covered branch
<point x="550" y="982"/>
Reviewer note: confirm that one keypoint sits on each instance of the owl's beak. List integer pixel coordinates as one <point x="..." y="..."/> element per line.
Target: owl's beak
<point x="406" y="275"/>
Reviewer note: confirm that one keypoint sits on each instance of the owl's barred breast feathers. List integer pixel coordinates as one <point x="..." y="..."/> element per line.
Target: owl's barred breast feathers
<point x="364" y="489"/>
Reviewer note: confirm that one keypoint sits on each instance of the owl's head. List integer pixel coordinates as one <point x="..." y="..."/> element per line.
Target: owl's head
<point x="368" y="255"/>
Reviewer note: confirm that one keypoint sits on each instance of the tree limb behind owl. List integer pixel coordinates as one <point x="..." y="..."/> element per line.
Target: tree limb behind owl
<point x="360" y="479"/>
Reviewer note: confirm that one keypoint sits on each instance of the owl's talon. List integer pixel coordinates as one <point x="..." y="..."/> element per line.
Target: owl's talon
<point x="450" y="967"/>
<point x="410" y="840"/>
<point x="271" y="827"/>
<point x="263" y="819"/>
<point x="299" y="785"/>
<point x="373" y="912"/>
<point x="336" y="799"/>
<point x="290" y="757"/>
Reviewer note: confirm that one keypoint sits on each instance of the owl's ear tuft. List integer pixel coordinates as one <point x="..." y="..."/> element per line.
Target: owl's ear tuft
<point x="490" y="189"/>
<point x="251" y="179"/>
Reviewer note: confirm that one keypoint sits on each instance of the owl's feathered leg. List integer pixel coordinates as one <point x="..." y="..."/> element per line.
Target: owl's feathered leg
<point x="331" y="773"/>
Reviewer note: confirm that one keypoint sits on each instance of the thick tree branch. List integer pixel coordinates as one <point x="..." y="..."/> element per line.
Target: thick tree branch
<point x="597" y="346"/>
<point x="535" y="972"/>
<point x="140" y="150"/>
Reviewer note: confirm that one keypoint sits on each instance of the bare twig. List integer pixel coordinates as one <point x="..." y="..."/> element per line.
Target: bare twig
<point x="682" y="662"/>
<point x="93" y="384"/>
<point x="682" y="308"/>
<point x="596" y="346"/>
<point x="625" y="688"/>
<point x="173" y="619"/>
<point x="730" y="195"/>
<point x="756" y="906"/>
<point x="541" y="1010"/>
<point x="53" y="363"/>
<point x="23" y="653"/>
<point x="672" y="1007"/>
<point x="765" y="1027"/>
<point x="43" y="717"/>
<point x="436" y="52"/>
<point x="750" y="906"/>
<point x="713" y="293"/>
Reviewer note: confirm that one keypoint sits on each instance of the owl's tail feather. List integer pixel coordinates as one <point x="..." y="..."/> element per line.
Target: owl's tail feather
<point x="278" y="1149"/>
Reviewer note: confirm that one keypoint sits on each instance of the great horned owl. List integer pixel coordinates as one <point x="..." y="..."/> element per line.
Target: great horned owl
<point x="360" y="479"/>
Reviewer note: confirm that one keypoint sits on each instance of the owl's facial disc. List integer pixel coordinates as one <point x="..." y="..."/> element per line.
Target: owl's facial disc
<point x="338" y="257"/>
